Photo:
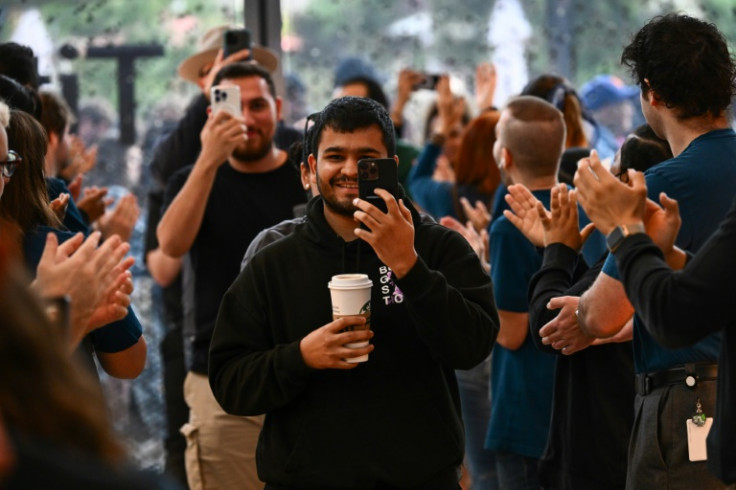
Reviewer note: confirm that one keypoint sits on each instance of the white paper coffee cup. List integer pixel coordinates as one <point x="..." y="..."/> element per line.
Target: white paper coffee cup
<point x="351" y="296"/>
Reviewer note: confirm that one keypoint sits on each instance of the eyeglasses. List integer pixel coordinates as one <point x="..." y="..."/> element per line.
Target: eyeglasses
<point x="10" y="164"/>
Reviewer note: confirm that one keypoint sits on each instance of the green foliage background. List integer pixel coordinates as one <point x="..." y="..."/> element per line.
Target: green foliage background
<point x="331" y="29"/>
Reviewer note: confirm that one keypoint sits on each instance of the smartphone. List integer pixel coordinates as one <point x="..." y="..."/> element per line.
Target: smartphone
<point x="226" y="98"/>
<point x="235" y="40"/>
<point x="429" y="82"/>
<point x="376" y="173"/>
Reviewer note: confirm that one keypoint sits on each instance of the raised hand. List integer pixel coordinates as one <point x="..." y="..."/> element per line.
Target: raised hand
<point x="79" y="269"/>
<point x="524" y="214"/>
<point x="60" y="205"/>
<point x="81" y="159"/>
<point x="560" y="224"/>
<point x="207" y="80"/>
<point x="220" y="135"/>
<point x="478" y="241"/>
<point x="390" y="234"/>
<point x="485" y="85"/>
<point x="408" y="78"/>
<point x="113" y="304"/>
<point x="93" y="202"/>
<point x="478" y="214"/>
<point x="75" y="187"/>
<point x="121" y="220"/>
<point x="607" y="201"/>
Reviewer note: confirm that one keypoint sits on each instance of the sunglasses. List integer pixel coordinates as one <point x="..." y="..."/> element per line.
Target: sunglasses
<point x="10" y="164"/>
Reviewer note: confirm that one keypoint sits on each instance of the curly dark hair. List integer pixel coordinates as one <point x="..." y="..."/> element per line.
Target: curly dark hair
<point x="686" y="62"/>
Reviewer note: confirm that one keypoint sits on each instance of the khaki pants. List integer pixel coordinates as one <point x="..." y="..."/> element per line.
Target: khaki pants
<point x="221" y="448"/>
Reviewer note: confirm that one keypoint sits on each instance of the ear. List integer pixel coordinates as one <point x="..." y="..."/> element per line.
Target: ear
<point x="506" y="159"/>
<point x="396" y="159"/>
<point x="312" y="164"/>
<point x="279" y="104"/>
<point x="53" y="140"/>
<point x="650" y="95"/>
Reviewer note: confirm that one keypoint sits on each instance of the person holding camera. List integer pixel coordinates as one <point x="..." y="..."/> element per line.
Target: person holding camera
<point x="394" y="420"/>
<point x="239" y="185"/>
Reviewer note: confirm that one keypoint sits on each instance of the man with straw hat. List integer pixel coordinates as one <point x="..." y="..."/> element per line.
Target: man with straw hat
<point x="182" y="146"/>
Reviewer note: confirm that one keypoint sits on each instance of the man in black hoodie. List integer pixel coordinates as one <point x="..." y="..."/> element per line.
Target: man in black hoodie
<point x="393" y="421"/>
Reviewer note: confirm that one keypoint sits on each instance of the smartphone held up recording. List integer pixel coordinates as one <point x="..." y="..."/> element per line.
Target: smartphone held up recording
<point x="429" y="82"/>
<point x="377" y="173"/>
<point x="234" y="40"/>
<point x="226" y="98"/>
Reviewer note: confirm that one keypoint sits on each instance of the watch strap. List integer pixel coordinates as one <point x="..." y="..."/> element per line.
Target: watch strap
<point x="618" y="234"/>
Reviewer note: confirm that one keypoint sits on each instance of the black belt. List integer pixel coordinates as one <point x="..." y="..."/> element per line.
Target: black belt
<point x="688" y="374"/>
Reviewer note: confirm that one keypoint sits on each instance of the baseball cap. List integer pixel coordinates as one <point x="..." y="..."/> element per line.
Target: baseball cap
<point x="207" y="48"/>
<point x="605" y="90"/>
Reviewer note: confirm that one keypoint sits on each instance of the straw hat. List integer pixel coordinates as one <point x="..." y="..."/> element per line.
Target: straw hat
<point x="207" y="48"/>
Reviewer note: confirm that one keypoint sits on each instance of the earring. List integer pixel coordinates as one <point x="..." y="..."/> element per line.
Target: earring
<point x="306" y="187"/>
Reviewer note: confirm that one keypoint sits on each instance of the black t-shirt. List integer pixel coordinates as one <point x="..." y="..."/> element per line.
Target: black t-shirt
<point x="239" y="206"/>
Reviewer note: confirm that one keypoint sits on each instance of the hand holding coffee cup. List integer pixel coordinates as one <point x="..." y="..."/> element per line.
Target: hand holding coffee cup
<point x="351" y="296"/>
<point x="324" y="348"/>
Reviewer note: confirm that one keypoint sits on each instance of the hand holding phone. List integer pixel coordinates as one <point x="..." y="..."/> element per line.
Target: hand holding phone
<point x="429" y="82"/>
<point x="226" y="98"/>
<point x="392" y="237"/>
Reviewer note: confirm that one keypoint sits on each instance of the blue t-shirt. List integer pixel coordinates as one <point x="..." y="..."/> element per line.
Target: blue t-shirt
<point x="703" y="180"/>
<point x="522" y="381"/>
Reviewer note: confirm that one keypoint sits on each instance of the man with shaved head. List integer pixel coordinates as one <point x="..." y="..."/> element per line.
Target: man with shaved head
<point x="530" y="141"/>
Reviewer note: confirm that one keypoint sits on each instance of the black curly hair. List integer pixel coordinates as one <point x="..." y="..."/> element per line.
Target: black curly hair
<point x="686" y="62"/>
<point x="348" y="114"/>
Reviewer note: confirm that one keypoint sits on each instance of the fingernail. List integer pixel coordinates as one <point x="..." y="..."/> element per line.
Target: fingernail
<point x="355" y="201"/>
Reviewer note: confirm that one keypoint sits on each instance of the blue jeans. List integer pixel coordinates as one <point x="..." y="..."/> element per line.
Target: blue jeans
<point x="475" y="399"/>
<point x="516" y="472"/>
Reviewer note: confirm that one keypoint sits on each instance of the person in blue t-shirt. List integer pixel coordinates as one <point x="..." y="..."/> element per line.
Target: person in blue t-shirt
<point x="529" y="145"/>
<point x="686" y="74"/>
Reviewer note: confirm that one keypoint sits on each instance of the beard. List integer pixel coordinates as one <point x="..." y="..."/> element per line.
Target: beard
<point x="251" y="151"/>
<point x="345" y="207"/>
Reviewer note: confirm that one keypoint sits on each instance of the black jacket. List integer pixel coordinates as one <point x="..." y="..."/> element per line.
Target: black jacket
<point x="594" y="389"/>
<point x="393" y="421"/>
<point x="679" y="308"/>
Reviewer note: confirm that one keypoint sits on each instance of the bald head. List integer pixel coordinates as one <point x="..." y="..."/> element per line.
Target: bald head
<point x="533" y="132"/>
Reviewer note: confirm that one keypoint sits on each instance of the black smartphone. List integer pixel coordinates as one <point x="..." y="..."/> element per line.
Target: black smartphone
<point x="429" y="82"/>
<point x="376" y="173"/>
<point x="235" y="40"/>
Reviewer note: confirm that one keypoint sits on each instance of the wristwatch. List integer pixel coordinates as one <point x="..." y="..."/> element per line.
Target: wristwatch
<point x="614" y="239"/>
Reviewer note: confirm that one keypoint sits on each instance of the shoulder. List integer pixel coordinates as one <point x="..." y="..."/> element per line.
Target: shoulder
<point x="273" y="234"/>
<point x="503" y="227"/>
<point x="55" y="186"/>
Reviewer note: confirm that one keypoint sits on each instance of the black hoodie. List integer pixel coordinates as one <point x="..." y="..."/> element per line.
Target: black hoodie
<point x="393" y="421"/>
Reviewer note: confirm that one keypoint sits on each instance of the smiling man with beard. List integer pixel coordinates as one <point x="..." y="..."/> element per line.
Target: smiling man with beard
<point x="393" y="421"/>
<point x="239" y="185"/>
